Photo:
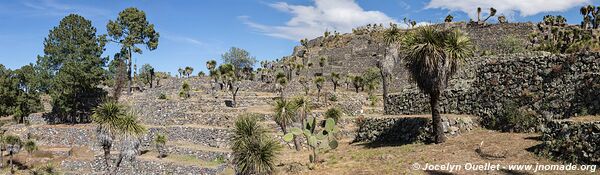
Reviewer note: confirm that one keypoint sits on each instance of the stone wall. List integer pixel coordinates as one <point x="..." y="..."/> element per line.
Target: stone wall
<point x="554" y="86"/>
<point x="139" y="166"/>
<point x="577" y="142"/>
<point x="404" y="130"/>
<point x="355" y="53"/>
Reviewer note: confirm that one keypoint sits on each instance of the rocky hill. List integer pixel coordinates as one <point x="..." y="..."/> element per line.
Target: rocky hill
<point x="353" y="53"/>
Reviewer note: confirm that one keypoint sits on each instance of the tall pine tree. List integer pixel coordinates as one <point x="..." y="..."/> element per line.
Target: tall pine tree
<point x="74" y="63"/>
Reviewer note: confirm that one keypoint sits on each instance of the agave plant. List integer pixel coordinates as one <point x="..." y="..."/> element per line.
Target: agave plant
<point x="254" y="151"/>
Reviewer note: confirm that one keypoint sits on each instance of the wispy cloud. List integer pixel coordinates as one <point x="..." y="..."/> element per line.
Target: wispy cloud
<point x="184" y="39"/>
<point x="507" y="7"/>
<point x="55" y="8"/>
<point x="311" y="21"/>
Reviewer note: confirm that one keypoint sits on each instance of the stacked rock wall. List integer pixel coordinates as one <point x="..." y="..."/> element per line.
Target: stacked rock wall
<point x="572" y="141"/>
<point x="385" y="130"/>
<point x="555" y="86"/>
<point x="355" y="53"/>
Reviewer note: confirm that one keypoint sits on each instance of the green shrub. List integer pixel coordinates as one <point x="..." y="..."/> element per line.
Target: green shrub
<point x="185" y="90"/>
<point x="334" y="113"/>
<point x="162" y="96"/>
<point x="512" y="44"/>
<point x="513" y="119"/>
<point x="333" y="97"/>
<point x="373" y="99"/>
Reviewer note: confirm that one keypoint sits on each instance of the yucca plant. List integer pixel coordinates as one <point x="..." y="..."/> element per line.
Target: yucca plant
<point x="434" y="55"/>
<point x="285" y="115"/>
<point x="185" y="90"/>
<point x="335" y="80"/>
<point x="113" y="121"/>
<point x="48" y="169"/>
<point x="333" y="113"/>
<point x="13" y="146"/>
<point x="30" y="146"/>
<point x="160" y="141"/>
<point x="107" y="116"/>
<point x="254" y="151"/>
<point x="319" y="83"/>
<point x="130" y="132"/>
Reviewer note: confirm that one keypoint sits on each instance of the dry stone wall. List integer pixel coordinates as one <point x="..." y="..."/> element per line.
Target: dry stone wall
<point x="355" y="53"/>
<point x="403" y="130"/>
<point x="572" y="141"/>
<point x="554" y="86"/>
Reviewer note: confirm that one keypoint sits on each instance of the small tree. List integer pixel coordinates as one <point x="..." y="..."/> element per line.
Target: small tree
<point x="282" y="81"/>
<point x="239" y="58"/>
<point x="285" y="114"/>
<point x="227" y="72"/>
<point x="449" y="19"/>
<point x="160" y="140"/>
<point x="333" y="113"/>
<point x="185" y="90"/>
<point x="188" y="71"/>
<point x="319" y="83"/>
<point x="305" y="82"/>
<point x="13" y="146"/>
<point x="335" y="80"/>
<point x="254" y="151"/>
<point x="434" y="56"/>
<point x="322" y="63"/>
<point x="357" y="82"/>
<point x="181" y="72"/>
<point x="147" y="74"/>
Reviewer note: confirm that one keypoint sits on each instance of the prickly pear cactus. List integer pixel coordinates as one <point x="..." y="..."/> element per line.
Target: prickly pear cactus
<point x="316" y="140"/>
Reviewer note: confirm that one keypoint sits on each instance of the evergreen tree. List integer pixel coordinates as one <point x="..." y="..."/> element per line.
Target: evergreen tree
<point x="130" y="30"/>
<point x="72" y="59"/>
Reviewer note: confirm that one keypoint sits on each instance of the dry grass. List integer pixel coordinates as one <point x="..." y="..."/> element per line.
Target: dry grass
<point x="363" y="159"/>
<point x="179" y="159"/>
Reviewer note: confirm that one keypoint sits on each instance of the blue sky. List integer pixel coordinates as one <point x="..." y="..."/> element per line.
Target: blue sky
<point x="193" y="32"/>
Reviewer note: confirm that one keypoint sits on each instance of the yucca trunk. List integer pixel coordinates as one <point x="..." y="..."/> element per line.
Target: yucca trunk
<point x="12" y="167"/>
<point x="106" y="157"/>
<point x="385" y="91"/>
<point x="129" y="71"/>
<point x="437" y="127"/>
<point x="1" y="158"/>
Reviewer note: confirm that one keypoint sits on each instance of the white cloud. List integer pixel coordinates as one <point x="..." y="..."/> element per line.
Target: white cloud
<point x="312" y="21"/>
<point x="507" y="7"/>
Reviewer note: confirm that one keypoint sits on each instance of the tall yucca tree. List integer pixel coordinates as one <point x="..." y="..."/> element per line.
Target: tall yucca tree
<point x="434" y="55"/>
<point x="285" y="114"/>
<point x="113" y="121"/>
<point x="391" y="36"/>
<point x="13" y="146"/>
<point x="254" y="152"/>
<point x="131" y="132"/>
<point x="106" y="116"/>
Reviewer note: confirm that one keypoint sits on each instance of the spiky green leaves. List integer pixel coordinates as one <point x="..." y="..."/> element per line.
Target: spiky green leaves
<point x="113" y="118"/>
<point x="434" y="56"/>
<point x="253" y="150"/>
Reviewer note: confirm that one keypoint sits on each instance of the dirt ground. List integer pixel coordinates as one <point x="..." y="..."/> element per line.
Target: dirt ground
<point x="498" y="148"/>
